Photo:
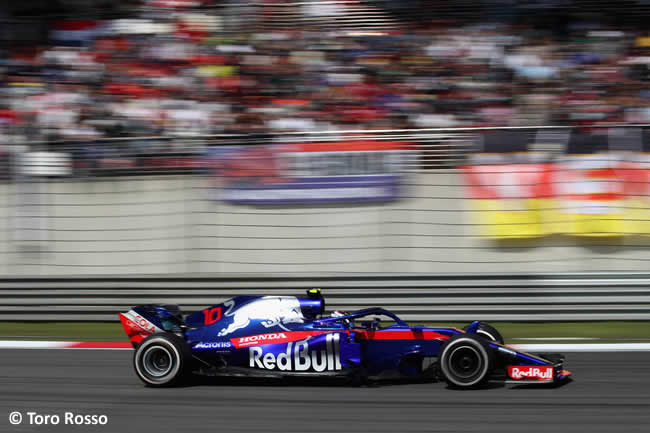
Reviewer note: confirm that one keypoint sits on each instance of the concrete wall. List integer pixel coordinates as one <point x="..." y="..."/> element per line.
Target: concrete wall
<point x="163" y="225"/>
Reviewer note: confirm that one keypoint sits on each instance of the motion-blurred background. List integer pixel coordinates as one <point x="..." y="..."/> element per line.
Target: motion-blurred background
<point x="176" y="137"/>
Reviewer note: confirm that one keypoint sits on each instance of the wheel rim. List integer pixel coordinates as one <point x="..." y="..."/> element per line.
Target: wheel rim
<point x="157" y="361"/>
<point x="465" y="362"/>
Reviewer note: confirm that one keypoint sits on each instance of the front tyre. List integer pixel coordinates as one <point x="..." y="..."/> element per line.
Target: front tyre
<point x="162" y="360"/>
<point x="489" y="332"/>
<point x="466" y="361"/>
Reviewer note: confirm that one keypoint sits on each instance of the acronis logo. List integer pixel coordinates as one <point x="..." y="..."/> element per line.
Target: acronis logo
<point x="215" y="345"/>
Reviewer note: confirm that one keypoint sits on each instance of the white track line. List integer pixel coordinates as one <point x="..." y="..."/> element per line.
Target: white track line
<point x="16" y="344"/>
<point x="584" y="347"/>
<point x="559" y="338"/>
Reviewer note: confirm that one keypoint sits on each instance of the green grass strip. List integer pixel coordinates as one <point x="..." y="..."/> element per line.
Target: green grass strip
<point x="63" y="331"/>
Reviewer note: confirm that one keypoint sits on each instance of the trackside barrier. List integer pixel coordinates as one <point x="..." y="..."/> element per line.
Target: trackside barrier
<point x="528" y="200"/>
<point x="421" y="297"/>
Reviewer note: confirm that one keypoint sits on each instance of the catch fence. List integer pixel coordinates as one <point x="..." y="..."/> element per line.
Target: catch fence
<point x="496" y="200"/>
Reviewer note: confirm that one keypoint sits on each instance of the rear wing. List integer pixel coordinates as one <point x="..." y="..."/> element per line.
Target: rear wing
<point x="145" y="320"/>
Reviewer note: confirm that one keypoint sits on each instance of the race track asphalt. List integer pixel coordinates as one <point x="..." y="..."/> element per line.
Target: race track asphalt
<point x="610" y="393"/>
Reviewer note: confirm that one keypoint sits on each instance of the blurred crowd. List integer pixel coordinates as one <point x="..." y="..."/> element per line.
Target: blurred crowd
<point x="179" y="73"/>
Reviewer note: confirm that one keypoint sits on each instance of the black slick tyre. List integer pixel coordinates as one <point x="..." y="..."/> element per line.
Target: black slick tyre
<point x="162" y="360"/>
<point x="466" y="361"/>
<point x="489" y="332"/>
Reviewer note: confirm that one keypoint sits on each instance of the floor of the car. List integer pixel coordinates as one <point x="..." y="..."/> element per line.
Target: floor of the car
<point x="255" y="372"/>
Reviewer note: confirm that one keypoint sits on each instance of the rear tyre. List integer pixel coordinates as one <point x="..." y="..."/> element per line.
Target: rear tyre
<point x="162" y="360"/>
<point x="466" y="361"/>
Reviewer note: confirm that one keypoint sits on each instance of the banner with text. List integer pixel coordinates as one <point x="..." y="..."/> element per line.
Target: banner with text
<point x="593" y="195"/>
<point x="302" y="173"/>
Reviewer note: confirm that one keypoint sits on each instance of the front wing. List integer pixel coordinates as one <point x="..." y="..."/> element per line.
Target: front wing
<point x="520" y="367"/>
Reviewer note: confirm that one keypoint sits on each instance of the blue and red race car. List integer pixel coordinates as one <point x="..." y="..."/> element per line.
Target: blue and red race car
<point x="287" y="335"/>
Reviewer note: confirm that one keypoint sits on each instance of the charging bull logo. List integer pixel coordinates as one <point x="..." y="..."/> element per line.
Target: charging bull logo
<point x="271" y="310"/>
<point x="298" y="357"/>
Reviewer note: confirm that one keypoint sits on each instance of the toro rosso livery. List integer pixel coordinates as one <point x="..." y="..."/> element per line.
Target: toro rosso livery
<point x="286" y="335"/>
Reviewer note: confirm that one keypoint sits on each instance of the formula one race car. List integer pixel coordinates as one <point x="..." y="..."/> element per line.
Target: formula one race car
<point x="286" y="335"/>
